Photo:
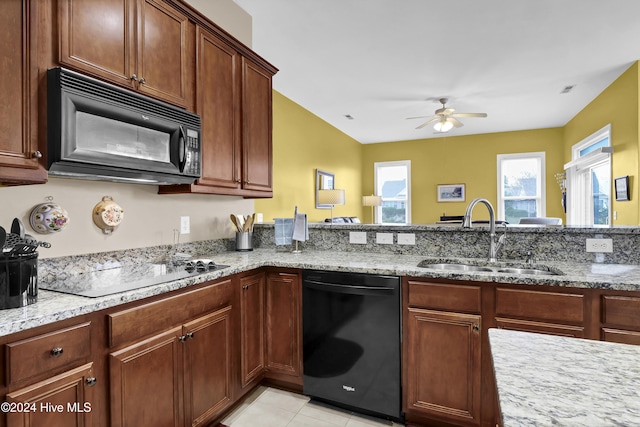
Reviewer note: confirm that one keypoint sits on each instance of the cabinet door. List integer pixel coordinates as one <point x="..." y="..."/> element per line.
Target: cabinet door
<point x="146" y="382"/>
<point x="98" y="37"/>
<point x="64" y="400"/>
<point x="256" y="127"/>
<point x="443" y="365"/>
<point x="163" y="52"/>
<point x="18" y="94"/>
<point x="218" y="103"/>
<point x="252" y="327"/>
<point x="207" y="364"/>
<point x="283" y="324"/>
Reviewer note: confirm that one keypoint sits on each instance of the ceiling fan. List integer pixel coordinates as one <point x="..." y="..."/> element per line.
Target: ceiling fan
<point x="446" y="118"/>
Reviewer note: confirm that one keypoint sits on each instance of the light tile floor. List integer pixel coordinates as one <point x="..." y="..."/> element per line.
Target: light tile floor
<point x="270" y="407"/>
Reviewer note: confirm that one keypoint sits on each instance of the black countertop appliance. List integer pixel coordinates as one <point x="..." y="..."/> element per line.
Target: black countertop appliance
<point x="18" y="280"/>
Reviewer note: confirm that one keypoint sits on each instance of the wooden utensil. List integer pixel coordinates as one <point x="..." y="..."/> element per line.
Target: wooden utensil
<point x="235" y="222"/>
<point x="248" y="223"/>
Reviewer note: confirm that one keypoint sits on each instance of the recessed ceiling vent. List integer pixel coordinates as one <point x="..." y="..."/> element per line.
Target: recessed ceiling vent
<point x="567" y="89"/>
<point x="349" y="116"/>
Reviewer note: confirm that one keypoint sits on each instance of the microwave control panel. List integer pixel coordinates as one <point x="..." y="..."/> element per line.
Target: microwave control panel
<point x="192" y="153"/>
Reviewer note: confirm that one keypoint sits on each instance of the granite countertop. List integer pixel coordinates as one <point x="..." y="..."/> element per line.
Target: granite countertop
<point x="54" y="306"/>
<point x="546" y="380"/>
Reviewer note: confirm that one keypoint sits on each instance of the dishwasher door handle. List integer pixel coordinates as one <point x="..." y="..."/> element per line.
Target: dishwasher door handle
<point x="348" y="289"/>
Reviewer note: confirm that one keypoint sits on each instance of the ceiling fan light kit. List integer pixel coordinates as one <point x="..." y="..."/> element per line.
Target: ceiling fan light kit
<point x="445" y="118"/>
<point x="443" y="126"/>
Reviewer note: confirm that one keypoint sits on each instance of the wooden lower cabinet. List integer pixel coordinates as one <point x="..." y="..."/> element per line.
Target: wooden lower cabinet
<point x="284" y="327"/>
<point x="208" y="366"/>
<point x="555" y="313"/>
<point x="175" y="378"/>
<point x="252" y="328"/>
<point x="146" y="382"/>
<point x="620" y="320"/>
<point x="63" y="400"/>
<point x="444" y="373"/>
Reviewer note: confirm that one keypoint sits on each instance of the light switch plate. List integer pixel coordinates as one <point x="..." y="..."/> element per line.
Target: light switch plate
<point x="599" y="245"/>
<point x="384" y="238"/>
<point x="406" y="239"/>
<point x="358" y="237"/>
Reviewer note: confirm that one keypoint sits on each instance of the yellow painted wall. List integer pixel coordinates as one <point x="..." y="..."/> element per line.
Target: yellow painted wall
<point x="470" y="160"/>
<point x="618" y="105"/>
<point x="302" y="143"/>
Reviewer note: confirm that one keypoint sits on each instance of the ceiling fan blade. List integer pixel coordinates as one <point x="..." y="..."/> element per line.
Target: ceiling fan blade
<point x="457" y="123"/>
<point x="469" y="115"/>
<point x="448" y="111"/>
<point x="428" y="122"/>
<point x="417" y="117"/>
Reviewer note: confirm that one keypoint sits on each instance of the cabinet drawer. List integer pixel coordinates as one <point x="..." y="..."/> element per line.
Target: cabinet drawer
<point x="620" y="336"/>
<point x="441" y="296"/>
<point x="549" y="306"/>
<point x="540" y="327"/>
<point x="48" y="352"/>
<point x="138" y="322"/>
<point x="621" y="311"/>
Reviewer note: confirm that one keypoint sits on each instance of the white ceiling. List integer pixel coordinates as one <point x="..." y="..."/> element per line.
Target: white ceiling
<point x="381" y="61"/>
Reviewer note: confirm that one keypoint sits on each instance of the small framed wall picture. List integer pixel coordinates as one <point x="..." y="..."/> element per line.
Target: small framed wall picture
<point x="451" y="193"/>
<point x="622" y="188"/>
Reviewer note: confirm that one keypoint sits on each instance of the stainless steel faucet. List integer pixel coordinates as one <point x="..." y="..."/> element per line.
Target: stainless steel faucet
<point x="494" y="246"/>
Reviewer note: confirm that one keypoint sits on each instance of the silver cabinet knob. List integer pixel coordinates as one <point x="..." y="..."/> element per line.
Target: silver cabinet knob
<point x="36" y="155"/>
<point x="57" y="351"/>
<point x="91" y="381"/>
<point x="134" y="78"/>
<point x="142" y="80"/>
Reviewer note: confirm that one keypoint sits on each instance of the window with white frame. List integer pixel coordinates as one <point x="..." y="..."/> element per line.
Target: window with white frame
<point x="521" y="186"/>
<point x="393" y="184"/>
<point x="588" y="178"/>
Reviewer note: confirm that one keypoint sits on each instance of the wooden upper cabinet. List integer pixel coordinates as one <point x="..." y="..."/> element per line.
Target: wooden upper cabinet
<point x="218" y="103"/>
<point x="141" y="44"/>
<point x="19" y="151"/>
<point x="234" y="101"/>
<point x="256" y="127"/>
<point x="164" y="62"/>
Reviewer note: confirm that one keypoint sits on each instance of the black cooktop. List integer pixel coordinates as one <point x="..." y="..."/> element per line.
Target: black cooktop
<point x="115" y="280"/>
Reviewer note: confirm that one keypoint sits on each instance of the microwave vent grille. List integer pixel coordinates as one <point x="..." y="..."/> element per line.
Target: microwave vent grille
<point x="88" y="87"/>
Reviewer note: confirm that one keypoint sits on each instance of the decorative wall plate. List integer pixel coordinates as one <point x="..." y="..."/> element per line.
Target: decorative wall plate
<point x="107" y="215"/>
<point x="48" y="217"/>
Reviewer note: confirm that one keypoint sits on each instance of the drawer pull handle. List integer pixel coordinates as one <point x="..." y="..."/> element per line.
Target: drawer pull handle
<point x="91" y="381"/>
<point x="476" y="328"/>
<point x="56" y="352"/>
<point x="190" y="335"/>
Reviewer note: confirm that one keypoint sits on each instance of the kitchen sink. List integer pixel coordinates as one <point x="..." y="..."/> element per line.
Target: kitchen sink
<point x="485" y="266"/>
<point x="455" y="267"/>
<point x="536" y="271"/>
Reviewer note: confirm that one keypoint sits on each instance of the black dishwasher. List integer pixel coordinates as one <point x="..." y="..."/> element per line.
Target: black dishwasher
<point x="351" y="341"/>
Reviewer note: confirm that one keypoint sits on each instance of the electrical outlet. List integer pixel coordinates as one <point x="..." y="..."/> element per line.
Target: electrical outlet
<point x="406" y="239"/>
<point x="599" y="245"/>
<point x="259" y="218"/>
<point x="384" y="238"/>
<point x="358" y="237"/>
<point x="185" y="227"/>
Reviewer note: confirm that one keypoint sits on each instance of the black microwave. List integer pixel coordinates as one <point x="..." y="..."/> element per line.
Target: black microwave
<point x="99" y="131"/>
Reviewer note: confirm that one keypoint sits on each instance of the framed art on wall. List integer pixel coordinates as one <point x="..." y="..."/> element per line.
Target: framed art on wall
<point x="622" y="188"/>
<point x="451" y="193"/>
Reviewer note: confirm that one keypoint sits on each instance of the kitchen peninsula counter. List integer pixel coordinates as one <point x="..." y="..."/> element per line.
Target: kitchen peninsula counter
<point x="55" y="306"/>
<point x="546" y="380"/>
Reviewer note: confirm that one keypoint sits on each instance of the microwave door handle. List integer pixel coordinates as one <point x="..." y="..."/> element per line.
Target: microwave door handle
<point x="182" y="149"/>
